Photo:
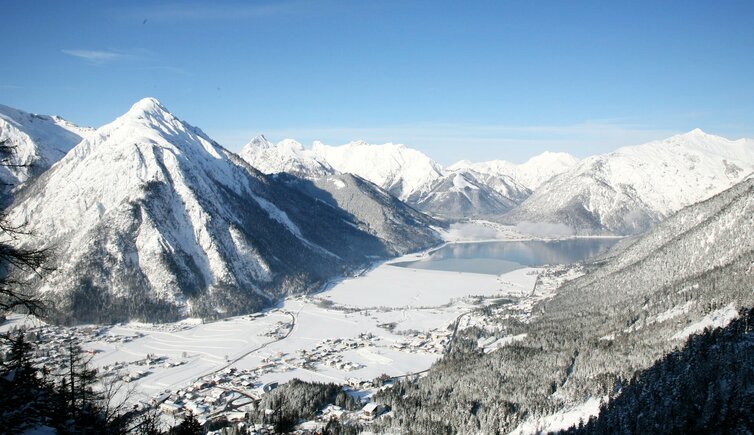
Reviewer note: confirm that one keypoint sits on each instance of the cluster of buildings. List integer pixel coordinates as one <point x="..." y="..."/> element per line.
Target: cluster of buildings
<point x="223" y="394"/>
<point x="424" y="342"/>
<point x="279" y="330"/>
<point x="52" y="342"/>
<point x="328" y="352"/>
<point x="232" y="394"/>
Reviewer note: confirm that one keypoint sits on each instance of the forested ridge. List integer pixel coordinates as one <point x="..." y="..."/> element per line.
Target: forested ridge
<point x="597" y="332"/>
<point x="706" y="387"/>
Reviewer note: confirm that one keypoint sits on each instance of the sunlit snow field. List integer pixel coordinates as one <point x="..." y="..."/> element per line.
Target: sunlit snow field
<point x="393" y="304"/>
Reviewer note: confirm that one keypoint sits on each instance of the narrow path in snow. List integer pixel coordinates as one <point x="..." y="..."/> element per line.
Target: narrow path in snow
<point x="447" y="348"/>
<point x="235" y="360"/>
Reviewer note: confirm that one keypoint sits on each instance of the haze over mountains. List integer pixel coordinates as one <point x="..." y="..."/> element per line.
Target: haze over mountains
<point x="463" y="190"/>
<point x="530" y="174"/>
<point x="151" y="218"/>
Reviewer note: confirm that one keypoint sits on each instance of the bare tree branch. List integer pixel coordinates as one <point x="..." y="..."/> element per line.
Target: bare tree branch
<point x="15" y="258"/>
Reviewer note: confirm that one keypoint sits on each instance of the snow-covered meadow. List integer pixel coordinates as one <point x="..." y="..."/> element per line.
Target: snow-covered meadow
<point x="390" y="320"/>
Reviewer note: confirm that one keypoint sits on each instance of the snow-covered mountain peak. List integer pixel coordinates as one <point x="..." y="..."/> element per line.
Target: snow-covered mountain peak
<point x="147" y="124"/>
<point x="291" y="144"/>
<point x="287" y="155"/>
<point x="43" y="126"/>
<point x="150" y="210"/>
<point x="260" y="141"/>
<point x="690" y="137"/>
<point x="38" y="142"/>
<point x="13" y="115"/>
<point x="695" y="134"/>
<point x="628" y="190"/>
<point x="531" y="174"/>
<point x="553" y="158"/>
<point x="693" y="145"/>
<point x="461" y="164"/>
<point x="395" y="167"/>
<point x="147" y="106"/>
<point x="148" y="112"/>
<point x="464" y="193"/>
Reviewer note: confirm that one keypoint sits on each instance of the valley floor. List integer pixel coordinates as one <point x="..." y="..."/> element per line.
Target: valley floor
<point x="390" y="320"/>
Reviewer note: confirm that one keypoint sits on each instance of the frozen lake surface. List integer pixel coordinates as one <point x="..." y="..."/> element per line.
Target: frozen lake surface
<point x="505" y="256"/>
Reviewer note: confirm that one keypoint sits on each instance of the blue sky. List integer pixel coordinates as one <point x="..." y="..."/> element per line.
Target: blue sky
<point x="476" y="80"/>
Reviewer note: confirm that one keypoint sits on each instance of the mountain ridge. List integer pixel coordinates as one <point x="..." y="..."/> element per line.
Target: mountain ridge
<point x="531" y="174"/>
<point x="37" y="142"/>
<point x="152" y="219"/>
<point x="632" y="188"/>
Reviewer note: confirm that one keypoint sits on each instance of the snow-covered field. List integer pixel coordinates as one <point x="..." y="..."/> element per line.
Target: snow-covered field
<point x="419" y="304"/>
<point x="392" y="320"/>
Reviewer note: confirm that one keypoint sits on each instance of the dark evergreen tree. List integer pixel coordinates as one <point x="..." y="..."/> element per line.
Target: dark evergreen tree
<point x="22" y="396"/>
<point x="189" y="426"/>
<point x="706" y="387"/>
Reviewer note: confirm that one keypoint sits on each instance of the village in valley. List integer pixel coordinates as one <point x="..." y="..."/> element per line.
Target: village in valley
<point x="222" y="370"/>
<point x="228" y="393"/>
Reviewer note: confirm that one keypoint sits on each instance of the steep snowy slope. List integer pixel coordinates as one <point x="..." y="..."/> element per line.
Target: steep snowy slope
<point x="375" y="211"/>
<point x="38" y="142"/>
<point x="396" y="168"/>
<point x="286" y="156"/>
<point x="469" y="194"/>
<point x="693" y="270"/>
<point x="632" y="188"/>
<point x="149" y="218"/>
<point x="531" y="174"/>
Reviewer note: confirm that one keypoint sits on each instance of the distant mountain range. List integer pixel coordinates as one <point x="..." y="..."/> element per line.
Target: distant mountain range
<point x="623" y="192"/>
<point x="631" y="189"/>
<point x="531" y="174"/>
<point x="150" y="218"/>
<point x="464" y="190"/>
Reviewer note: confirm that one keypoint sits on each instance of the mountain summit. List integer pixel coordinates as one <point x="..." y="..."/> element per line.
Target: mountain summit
<point x="151" y="219"/>
<point x="632" y="188"/>
<point x="531" y="174"/>
<point x="38" y="141"/>
<point x="285" y="156"/>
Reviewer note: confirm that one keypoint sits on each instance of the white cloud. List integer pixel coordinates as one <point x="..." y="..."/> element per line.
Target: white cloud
<point x="95" y="56"/>
<point x="112" y="55"/>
